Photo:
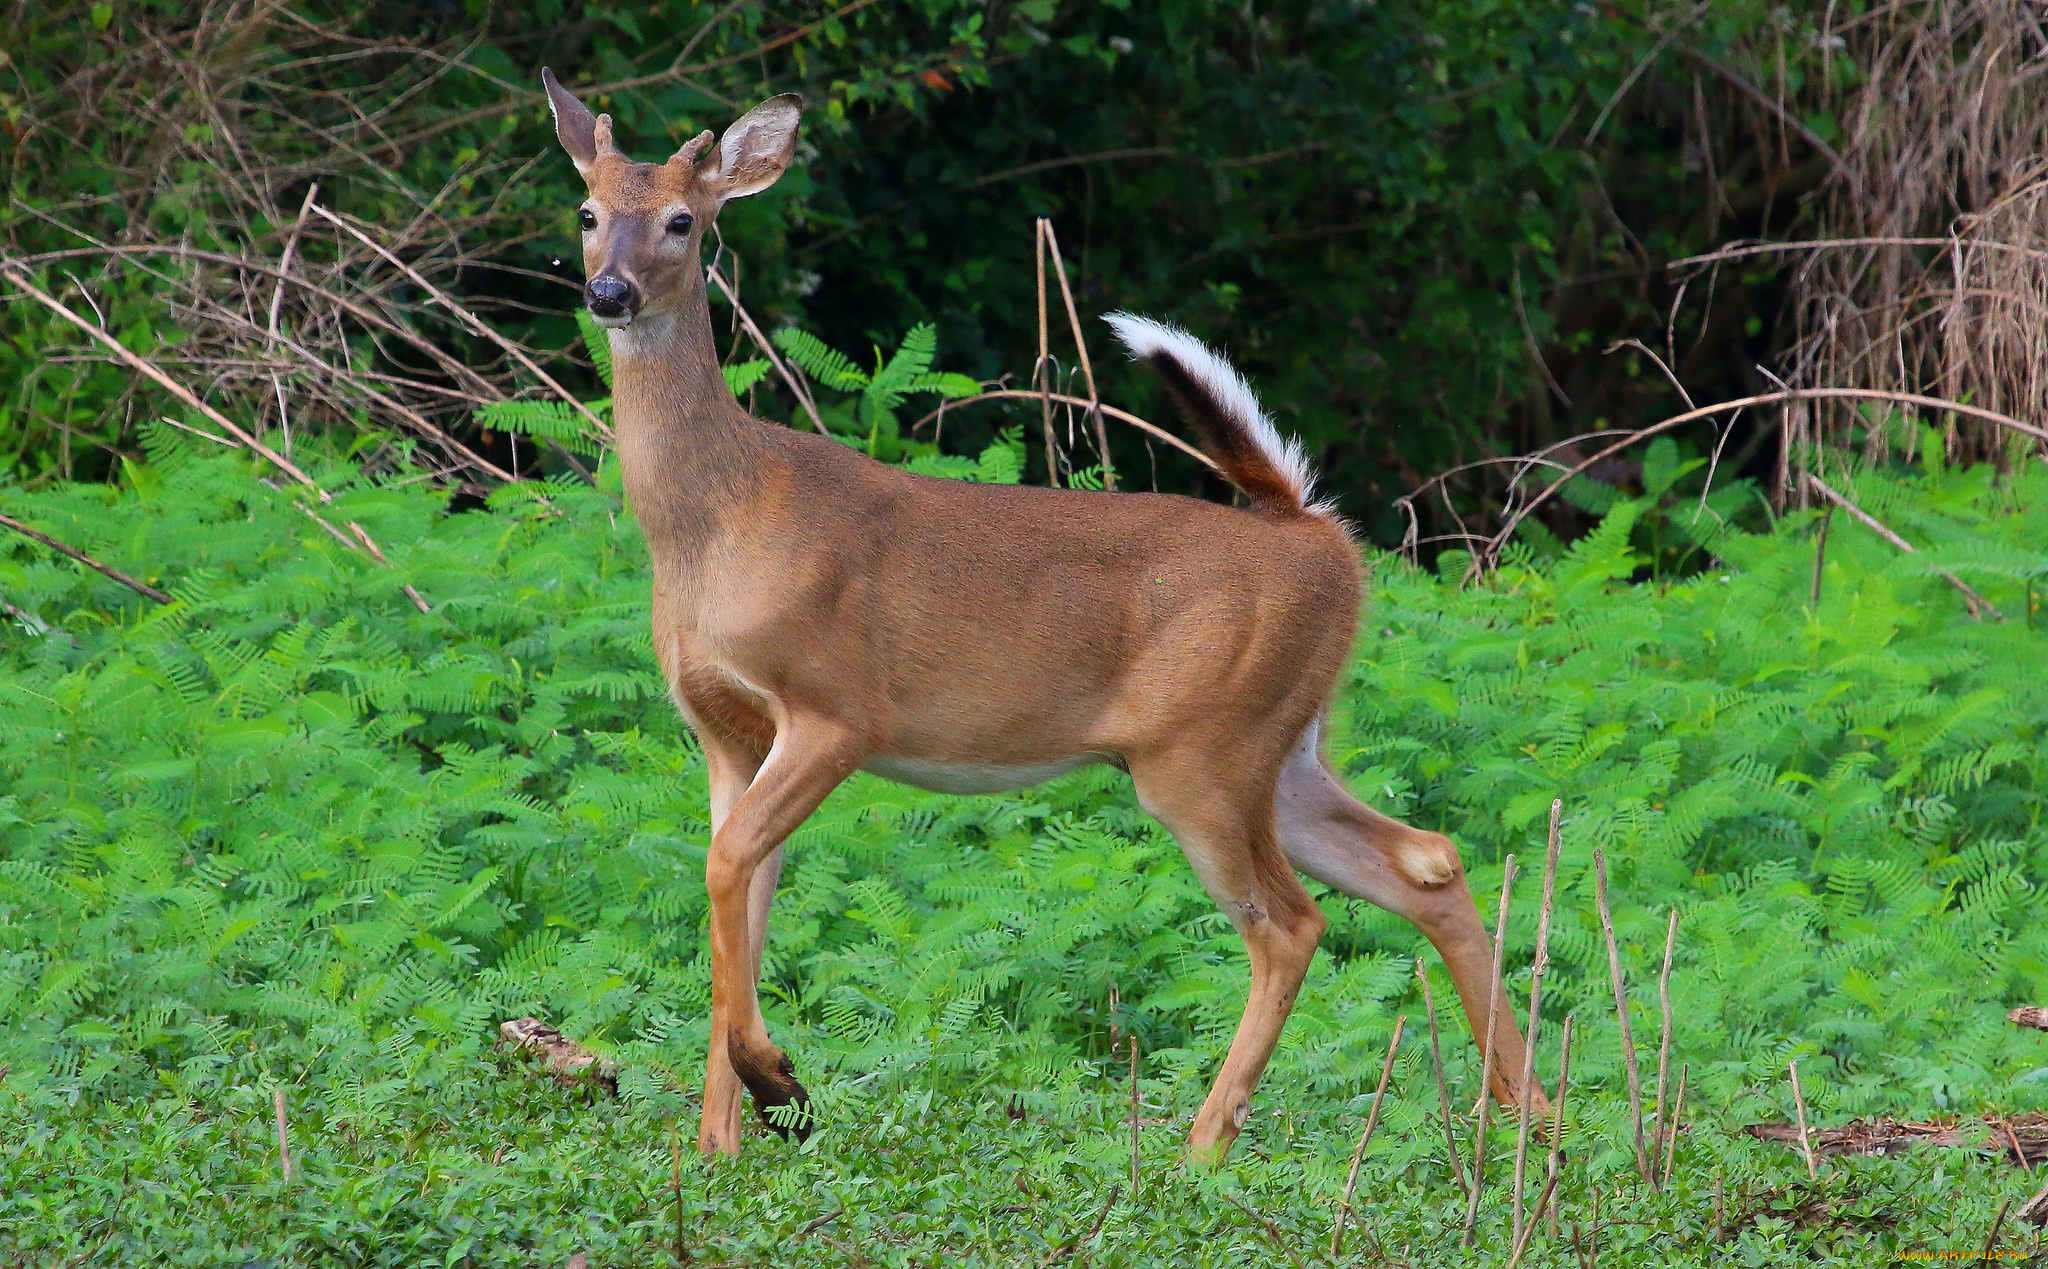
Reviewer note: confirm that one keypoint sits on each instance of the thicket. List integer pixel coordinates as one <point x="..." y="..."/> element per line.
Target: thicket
<point x="290" y="832"/>
<point x="1418" y="226"/>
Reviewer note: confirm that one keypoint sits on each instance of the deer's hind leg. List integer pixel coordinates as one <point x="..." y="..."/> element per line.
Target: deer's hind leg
<point x="1343" y="843"/>
<point x="1220" y="809"/>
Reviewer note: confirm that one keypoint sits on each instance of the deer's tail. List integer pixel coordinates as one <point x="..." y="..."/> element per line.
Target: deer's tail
<point x="1224" y="415"/>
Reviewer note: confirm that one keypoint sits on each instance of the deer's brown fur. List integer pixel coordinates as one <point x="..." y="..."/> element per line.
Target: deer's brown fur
<point x="816" y="612"/>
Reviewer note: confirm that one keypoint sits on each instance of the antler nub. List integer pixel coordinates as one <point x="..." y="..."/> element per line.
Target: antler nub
<point x="604" y="135"/>
<point x="692" y="148"/>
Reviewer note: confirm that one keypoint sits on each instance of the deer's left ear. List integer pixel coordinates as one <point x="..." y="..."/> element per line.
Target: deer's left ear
<point x="575" y="126"/>
<point x="756" y="150"/>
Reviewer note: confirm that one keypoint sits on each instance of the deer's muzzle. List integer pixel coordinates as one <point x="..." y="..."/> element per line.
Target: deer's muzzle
<point x="613" y="301"/>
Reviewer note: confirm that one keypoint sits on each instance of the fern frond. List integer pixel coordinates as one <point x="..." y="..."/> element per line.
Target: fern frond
<point x="743" y="375"/>
<point x="597" y="344"/>
<point x="827" y="365"/>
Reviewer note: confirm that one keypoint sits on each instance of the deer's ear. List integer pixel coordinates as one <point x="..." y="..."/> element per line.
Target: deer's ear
<point x="756" y="150"/>
<point x="575" y="127"/>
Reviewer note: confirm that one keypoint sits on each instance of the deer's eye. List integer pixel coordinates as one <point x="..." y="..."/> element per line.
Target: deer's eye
<point x="680" y="223"/>
<point x="587" y="218"/>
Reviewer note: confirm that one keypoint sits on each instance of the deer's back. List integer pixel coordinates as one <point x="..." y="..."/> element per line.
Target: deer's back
<point x="966" y="614"/>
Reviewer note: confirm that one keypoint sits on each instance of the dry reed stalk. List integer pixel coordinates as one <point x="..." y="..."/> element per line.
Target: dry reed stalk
<point x="1521" y="1240"/>
<point x="1670" y="1137"/>
<point x="141" y="588"/>
<point x="1372" y="1120"/>
<point x="361" y="381"/>
<point x="370" y="319"/>
<point x="260" y="106"/>
<point x="1557" y="1126"/>
<point x="284" y="1150"/>
<point x="1134" y="1119"/>
<point x="284" y="265"/>
<point x="1663" y="1040"/>
<point x="1543" y="1200"/>
<point x="1041" y="370"/>
<point x="1943" y="130"/>
<point x="1528" y="1081"/>
<point x="1059" y="266"/>
<point x="1443" y="1094"/>
<point x="1628" y="1043"/>
<point x="1484" y="1109"/>
<point x="151" y="371"/>
<point x="1805" y="1133"/>
<point x="675" y="1151"/>
<point x="1820" y="557"/>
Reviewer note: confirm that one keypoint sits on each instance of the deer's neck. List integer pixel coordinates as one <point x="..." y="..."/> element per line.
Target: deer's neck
<point x="690" y="456"/>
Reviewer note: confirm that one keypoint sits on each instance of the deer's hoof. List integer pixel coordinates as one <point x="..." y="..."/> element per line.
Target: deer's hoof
<point x="779" y="1099"/>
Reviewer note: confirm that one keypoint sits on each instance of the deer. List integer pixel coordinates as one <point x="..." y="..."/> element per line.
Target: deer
<point x="816" y="613"/>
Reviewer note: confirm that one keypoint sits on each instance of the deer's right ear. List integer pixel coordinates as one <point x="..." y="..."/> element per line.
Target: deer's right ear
<point x="575" y="126"/>
<point x="756" y="150"/>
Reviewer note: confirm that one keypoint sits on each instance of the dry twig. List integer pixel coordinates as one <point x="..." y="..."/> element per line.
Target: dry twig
<point x="1372" y="1120"/>
<point x="1484" y="1110"/>
<point x="1805" y="1134"/>
<point x="1621" y="1012"/>
<point x="1664" y="1037"/>
<point x="141" y="588"/>
<point x="1542" y="963"/>
<point x="1977" y="604"/>
<point x="1059" y="266"/>
<point x="1443" y="1095"/>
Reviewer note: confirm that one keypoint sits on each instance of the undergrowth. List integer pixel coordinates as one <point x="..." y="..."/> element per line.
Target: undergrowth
<point x="288" y="833"/>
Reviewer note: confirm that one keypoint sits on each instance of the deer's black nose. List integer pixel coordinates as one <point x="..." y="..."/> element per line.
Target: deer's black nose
<point x="610" y="296"/>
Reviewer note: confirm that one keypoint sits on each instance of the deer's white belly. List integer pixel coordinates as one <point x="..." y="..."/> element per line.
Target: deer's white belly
<point x="952" y="777"/>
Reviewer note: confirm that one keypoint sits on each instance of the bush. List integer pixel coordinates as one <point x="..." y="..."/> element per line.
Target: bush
<point x="290" y="832"/>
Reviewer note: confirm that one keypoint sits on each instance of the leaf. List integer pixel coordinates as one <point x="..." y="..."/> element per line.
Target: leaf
<point x="743" y="375"/>
<point x="829" y="367"/>
<point x="597" y="343"/>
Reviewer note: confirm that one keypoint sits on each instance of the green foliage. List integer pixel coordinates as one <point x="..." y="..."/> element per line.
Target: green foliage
<point x="871" y="417"/>
<point x="291" y="832"/>
<point x="868" y="421"/>
<point x="1359" y="200"/>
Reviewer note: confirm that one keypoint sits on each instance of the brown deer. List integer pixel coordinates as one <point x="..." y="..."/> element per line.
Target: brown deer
<point x="817" y="613"/>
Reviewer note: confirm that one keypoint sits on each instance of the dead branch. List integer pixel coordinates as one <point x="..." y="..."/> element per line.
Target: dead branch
<point x="789" y="377"/>
<point x="140" y="588"/>
<point x="1122" y="416"/>
<point x="1514" y="521"/>
<point x="2035" y="1210"/>
<point x="145" y="367"/>
<point x="469" y="319"/>
<point x="1970" y="597"/>
<point x="565" y="1059"/>
<point x="2017" y="1137"/>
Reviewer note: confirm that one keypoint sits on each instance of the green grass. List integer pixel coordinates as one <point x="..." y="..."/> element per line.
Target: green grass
<point x="510" y="1170"/>
<point x="290" y="833"/>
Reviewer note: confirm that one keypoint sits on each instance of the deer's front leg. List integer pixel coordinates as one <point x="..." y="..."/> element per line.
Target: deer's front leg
<point x="810" y="757"/>
<point x="731" y="767"/>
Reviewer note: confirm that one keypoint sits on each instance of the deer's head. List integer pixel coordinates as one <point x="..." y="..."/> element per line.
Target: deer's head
<point x="644" y="223"/>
